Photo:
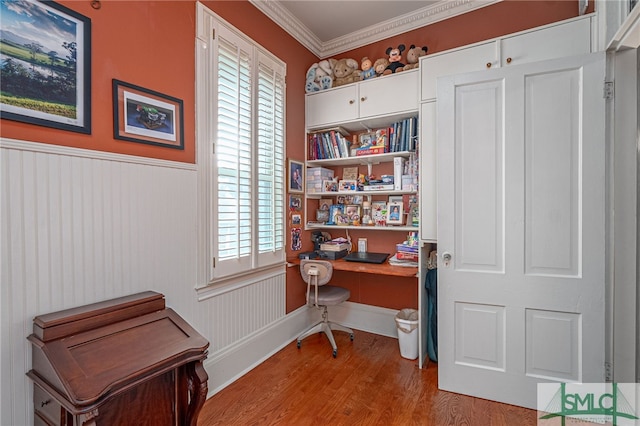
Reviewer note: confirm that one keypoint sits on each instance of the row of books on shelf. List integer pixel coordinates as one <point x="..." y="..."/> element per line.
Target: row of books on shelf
<point x="329" y="144"/>
<point x="400" y="136"/>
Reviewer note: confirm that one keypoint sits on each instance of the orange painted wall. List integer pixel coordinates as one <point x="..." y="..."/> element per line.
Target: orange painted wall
<point x="151" y="44"/>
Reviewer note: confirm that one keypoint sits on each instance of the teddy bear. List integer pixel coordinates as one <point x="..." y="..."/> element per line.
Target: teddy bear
<point x="320" y="76"/>
<point x="395" y="58"/>
<point x="368" y="71"/>
<point x="413" y="55"/>
<point x="380" y="65"/>
<point x="346" y="71"/>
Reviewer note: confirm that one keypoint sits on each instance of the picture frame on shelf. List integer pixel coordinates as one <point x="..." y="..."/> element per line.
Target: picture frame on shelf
<point x="335" y="210"/>
<point x="349" y="199"/>
<point x="395" y="214"/>
<point x="350" y="173"/>
<point x="53" y="87"/>
<point x="379" y="213"/>
<point x="329" y="186"/>
<point x="296" y="176"/>
<point x="347" y="185"/>
<point x="322" y="215"/>
<point x="353" y="213"/>
<point x="146" y="116"/>
<point x="325" y="203"/>
<point x="342" y="220"/>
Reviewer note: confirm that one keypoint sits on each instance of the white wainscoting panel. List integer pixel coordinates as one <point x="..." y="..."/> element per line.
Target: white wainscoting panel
<point x="80" y="226"/>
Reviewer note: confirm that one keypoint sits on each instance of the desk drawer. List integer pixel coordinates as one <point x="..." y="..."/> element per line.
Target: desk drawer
<point x="46" y="408"/>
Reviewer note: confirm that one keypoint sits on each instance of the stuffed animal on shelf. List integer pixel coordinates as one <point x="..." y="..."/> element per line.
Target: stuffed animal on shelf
<point x="413" y="56"/>
<point x="395" y="59"/>
<point x="368" y="71"/>
<point x="320" y="76"/>
<point x="380" y="65"/>
<point x="346" y="71"/>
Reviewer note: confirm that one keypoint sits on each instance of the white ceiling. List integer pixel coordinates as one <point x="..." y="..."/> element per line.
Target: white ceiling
<point x="328" y="27"/>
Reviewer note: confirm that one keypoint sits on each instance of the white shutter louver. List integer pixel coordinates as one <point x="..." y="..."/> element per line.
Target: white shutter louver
<point x="248" y="169"/>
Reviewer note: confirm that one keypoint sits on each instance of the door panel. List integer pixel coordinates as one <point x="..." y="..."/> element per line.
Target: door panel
<point x="552" y="173"/>
<point x="479" y="178"/>
<point x="521" y="231"/>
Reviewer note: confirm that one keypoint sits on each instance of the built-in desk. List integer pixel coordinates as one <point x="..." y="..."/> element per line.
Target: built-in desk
<point x="383" y="285"/>
<point x="367" y="268"/>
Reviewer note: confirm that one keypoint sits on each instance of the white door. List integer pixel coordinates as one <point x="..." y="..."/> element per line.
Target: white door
<point x="521" y="228"/>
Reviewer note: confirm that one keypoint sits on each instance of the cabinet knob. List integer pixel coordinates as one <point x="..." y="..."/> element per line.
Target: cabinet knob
<point x="509" y="60"/>
<point x="488" y="64"/>
<point x="362" y="99"/>
<point x="351" y="101"/>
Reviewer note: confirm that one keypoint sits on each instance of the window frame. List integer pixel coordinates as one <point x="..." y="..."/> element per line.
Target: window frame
<point x="211" y="272"/>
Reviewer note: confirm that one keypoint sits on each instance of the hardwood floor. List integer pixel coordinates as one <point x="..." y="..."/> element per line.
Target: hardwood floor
<point x="369" y="383"/>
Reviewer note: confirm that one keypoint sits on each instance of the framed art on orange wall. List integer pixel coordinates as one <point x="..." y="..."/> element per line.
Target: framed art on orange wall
<point x="46" y="65"/>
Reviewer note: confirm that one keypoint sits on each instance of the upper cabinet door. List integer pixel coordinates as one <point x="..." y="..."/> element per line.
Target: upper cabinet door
<point x="370" y="103"/>
<point x="567" y="39"/>
<point x="387" y="95"/>
<point x="475" y="58"/>
<point x="332" y="106"/>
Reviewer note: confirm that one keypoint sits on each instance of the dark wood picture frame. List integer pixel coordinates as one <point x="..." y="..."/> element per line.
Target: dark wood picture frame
<point x="61" y="99"/>
<point x="146" y="116"/>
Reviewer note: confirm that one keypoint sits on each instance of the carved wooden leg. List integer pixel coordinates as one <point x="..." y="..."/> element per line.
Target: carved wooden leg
<point x="197" y="378"/>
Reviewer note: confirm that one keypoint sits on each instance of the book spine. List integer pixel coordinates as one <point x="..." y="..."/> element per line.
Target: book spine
<point x="334" y="143"/>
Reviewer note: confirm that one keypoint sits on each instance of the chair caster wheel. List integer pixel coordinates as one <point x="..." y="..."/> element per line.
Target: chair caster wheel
<point x="351" y="336"/>
<point x="299" y="344"/>
<point x="335" y="353"/>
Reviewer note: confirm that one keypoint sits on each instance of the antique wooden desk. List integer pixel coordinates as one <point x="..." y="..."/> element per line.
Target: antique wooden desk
<point x="124" y="361"/>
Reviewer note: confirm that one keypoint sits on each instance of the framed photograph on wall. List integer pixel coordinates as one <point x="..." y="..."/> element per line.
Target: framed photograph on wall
<point x="146" y="116"/>
<point x="296" y="176"/>
<point x="46" y="71"/>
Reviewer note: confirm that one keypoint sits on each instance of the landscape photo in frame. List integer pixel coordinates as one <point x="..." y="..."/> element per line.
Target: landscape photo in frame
<point x="46" y="65"/>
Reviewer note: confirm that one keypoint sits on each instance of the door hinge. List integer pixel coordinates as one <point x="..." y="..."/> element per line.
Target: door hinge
<point x="609" y="91"/>
<point x="213" y="34"/>
<point x="213" y="148"/>
<point x="214" y="262"/>
<point x="608" y="372"/>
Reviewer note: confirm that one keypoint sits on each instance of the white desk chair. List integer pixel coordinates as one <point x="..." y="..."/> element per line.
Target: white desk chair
<point x="317" y="273"/>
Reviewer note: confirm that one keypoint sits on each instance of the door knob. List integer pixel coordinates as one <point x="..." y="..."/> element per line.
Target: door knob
<point x="446" y="259"/>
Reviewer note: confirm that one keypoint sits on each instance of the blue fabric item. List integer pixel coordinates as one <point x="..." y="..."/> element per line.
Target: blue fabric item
<point x="431" y="286"/>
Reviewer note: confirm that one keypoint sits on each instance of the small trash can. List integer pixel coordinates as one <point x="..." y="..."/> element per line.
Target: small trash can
<point x="407" y="322"/>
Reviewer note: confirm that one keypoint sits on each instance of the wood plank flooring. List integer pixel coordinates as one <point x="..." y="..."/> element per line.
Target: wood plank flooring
<point x="369" y="383"/>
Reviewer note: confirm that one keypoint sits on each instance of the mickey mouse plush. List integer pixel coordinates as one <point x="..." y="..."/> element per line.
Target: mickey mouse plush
<point x="395" y="58"/>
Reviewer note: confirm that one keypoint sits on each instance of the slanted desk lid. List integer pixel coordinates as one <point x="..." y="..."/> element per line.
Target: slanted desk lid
<point x="87" y="367"/>
<point x="76" y="320"/>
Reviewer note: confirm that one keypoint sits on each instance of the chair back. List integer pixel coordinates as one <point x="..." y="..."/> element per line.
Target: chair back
<point x="316" y="272"/>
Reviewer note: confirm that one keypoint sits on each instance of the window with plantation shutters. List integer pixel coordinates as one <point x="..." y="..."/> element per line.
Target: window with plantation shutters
<point x="240" y="98"/>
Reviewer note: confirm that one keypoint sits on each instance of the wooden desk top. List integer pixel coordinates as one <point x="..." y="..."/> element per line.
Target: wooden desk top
<point x="368" y="268"/>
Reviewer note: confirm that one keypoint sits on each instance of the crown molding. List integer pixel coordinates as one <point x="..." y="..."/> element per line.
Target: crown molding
<point x="442" y="10"/>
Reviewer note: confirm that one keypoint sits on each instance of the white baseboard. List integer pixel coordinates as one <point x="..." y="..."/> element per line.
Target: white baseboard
<point x="229" y="364"/>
